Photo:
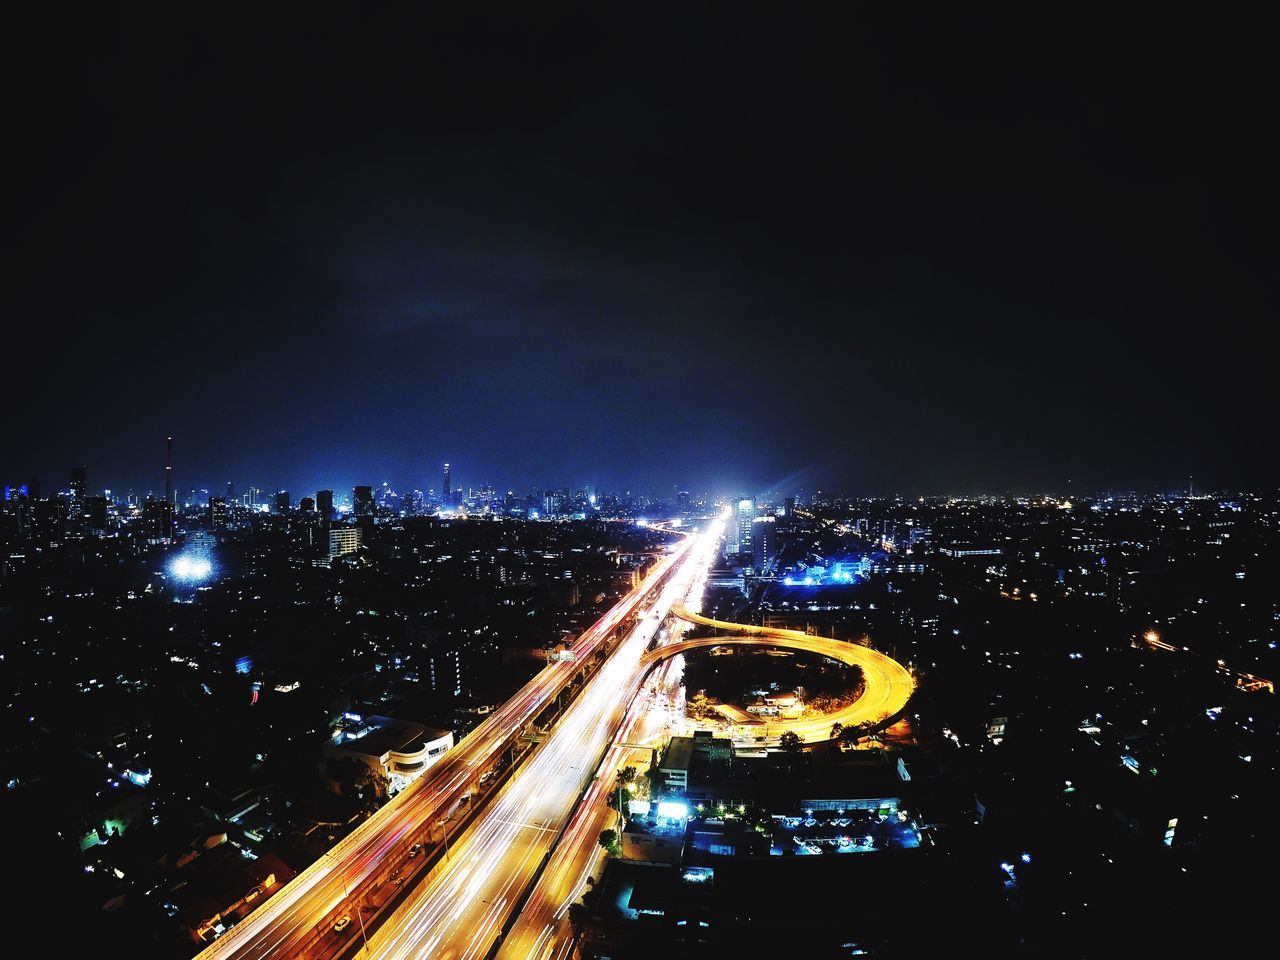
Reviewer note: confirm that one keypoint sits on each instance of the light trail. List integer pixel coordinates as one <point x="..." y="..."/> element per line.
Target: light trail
<point x="542" y="930"/>
<point x="888" y="688"/>
<point x="290" y="922"/>
<point x="888" y="684"/>
<point x="460" y="909"/>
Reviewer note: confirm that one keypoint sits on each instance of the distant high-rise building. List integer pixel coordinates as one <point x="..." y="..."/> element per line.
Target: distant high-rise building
<point x="310" y="535"/>
<point x="448" y="489"/>
<point x="17" y="506"/>
<point x="77" y="485"/>
<point x="307" y="505"/>
<point x="218" y="513"/>
<point x="95" y="512"/>
<point x="362" y="501"/>
<point x="157" y="520"/>
<point x="789" y="507"/>
<point x="168" y="471"/>
<point x="343" y="540"/>
<point x="231" y="491"/>
<point x="324" y="504"/>
<point x="282" y="501"/>
<point x="740" y="531"/>
<point x="411" y="503"/>
<point x="49" y="518"/>
<point x="764" y="543"/>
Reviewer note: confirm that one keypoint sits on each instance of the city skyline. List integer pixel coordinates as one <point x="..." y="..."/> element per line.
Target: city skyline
<point x="774" y="492"/>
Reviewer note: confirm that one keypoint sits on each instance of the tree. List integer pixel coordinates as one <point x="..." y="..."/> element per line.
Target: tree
<point x="699" y="705"/>
<point x="836" y="729"/>
<point x="791" y="742"/>
<point x="859" y="731"/>
<point x="579" y="914"/>
<point x="609" y="840"/>
<point x="358" y="780"/>
<point x="626" y="783"/>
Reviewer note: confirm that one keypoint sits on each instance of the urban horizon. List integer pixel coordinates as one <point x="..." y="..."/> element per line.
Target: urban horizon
<point x="192" y="495"/>
<point x="611" y="481"/>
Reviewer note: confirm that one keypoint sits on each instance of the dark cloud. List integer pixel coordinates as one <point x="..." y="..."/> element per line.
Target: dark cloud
<point x="641" y="247"/>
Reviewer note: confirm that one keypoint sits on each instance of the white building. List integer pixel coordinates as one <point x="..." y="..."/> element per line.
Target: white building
<point x="399" y="750"/>
<point x="343" y="540"/>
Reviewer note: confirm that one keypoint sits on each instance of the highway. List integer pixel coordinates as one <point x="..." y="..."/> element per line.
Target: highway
<point x="542" y="931"/>
<point x="889" y="684"/>
<point x="288" y="923"/>
<point x="460" y="909"/>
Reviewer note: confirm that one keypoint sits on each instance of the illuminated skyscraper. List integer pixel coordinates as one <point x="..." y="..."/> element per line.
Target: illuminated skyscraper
<point x="218" y="513"/>
<point x="343" y="540"/>
<point x="764" y="543"/>
<point x="17" y="506"/>
<point x="746" y="515"/>
<point x="77" y="485"/>
<point x="447" y="488"/>
<point x="157" y="519"/>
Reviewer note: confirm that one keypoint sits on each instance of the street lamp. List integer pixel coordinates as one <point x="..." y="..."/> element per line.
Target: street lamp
<point x="364" y="937"/>
<point x="444" y="825"/>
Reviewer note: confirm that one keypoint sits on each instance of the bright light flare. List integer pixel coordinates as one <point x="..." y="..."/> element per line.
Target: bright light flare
<point x="186" y="567"/>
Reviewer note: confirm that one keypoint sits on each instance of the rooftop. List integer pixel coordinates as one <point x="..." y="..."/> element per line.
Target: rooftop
<point x="679" y="754"/>
<point x="378" y="736"/>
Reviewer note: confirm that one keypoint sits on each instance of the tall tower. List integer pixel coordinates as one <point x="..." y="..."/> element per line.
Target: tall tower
<point x="168" y="470"/>
<point x="446" y="488"/>
<point x="78" y="485"/>
<point x="746" y="517"/>
<point x="362" y="501"/>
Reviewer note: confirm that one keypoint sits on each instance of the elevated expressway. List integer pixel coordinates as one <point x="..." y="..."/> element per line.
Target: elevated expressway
<point x="888" y="683"/>
<point x="542" y="932"/>
<point x="470" y="902"/>
<point x="297" y="920"/>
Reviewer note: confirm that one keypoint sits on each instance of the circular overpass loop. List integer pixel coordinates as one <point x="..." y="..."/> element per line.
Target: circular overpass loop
<point x="888" y="685"/>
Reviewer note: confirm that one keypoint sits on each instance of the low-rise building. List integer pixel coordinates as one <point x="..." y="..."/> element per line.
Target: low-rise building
<point x="399" y="750"/>
<point x="653" y="840"/>
<point x="218" y="888"/>
<point x="786" y="705"/>
<point x="674" y="768"/>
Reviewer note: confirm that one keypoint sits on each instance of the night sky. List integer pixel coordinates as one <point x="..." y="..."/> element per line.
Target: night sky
<point x="634" y="246"/>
